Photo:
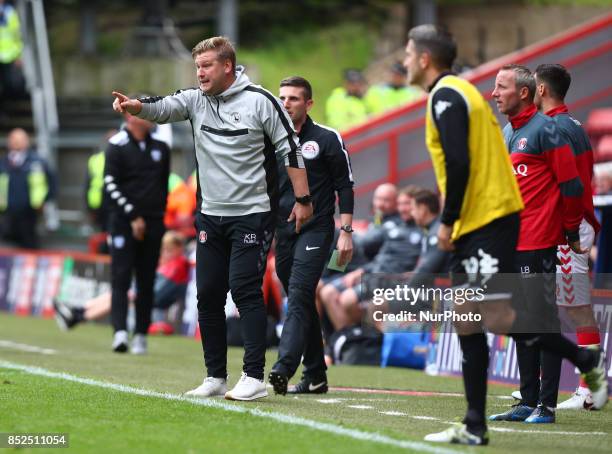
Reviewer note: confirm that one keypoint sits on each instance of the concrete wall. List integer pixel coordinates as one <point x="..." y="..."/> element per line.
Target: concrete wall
<point x="484" y="33"/>
<point x="94" y="77"/>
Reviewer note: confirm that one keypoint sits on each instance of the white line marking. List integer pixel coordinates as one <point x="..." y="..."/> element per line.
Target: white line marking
<point x="392" y="413"/>
<point x="211" y="403"/>
<point x="328" y="401"/>
<point x="360" y="407"/>
<point x="26" y="348"/>
<point x="426" y="418"/>
<point x="548" y="432"/>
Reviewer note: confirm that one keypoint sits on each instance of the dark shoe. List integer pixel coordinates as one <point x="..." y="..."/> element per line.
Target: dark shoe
<point x="278" y="381"/>
<point x="518" y="412"/>
<point x="64" y="316"/>
<point x="310" y="386"/>
<point x="541" y="415"/>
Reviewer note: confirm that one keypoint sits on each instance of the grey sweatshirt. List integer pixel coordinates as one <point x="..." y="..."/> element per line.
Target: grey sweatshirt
<point x="238" y="137"/>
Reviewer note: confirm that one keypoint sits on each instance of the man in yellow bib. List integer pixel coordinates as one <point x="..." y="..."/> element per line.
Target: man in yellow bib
<point x="479" y="224"/>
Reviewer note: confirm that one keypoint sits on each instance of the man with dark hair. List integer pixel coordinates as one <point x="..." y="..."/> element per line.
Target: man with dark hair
<point x="240" y="130"/>
<point x="300" y="258"/>
<point x="136" y="171"/>
<point x="479" y="221"/>
<point x="573" y="286"/>
<point x="546" y="172"/>
<point x="433" y="260"/>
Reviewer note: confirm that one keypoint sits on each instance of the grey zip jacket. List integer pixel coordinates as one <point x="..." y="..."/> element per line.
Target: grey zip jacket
<point x="238" y="137"/>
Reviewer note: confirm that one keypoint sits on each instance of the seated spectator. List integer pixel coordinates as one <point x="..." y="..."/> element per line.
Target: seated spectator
<point x="384" y="207"/>
<point x="170" y="287"/>
<point x="382" y="97"/>
<point x="432" y="261"/>
<point x="399" y="253"/>
<point x="345" y="106"/>
<point x="365" y="246"/>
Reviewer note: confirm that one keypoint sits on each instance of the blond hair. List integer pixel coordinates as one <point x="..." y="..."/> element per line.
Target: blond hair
<point x="222" y="45"/>
<point x="173" y="238"/>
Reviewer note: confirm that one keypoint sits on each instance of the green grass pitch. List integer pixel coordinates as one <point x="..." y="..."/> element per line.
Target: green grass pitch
<point x="101" y="417"/>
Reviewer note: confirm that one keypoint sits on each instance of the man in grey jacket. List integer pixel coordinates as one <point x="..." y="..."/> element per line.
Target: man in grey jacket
<point x="240" y="130"/>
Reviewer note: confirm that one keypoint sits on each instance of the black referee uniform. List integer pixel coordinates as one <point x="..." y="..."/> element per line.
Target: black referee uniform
<point x="136" y="181"/>
<point x="300" y="258"/>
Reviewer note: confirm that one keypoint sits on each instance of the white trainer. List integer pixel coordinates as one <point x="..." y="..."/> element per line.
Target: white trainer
<point x="580" y="400"/>
<point x="139" y="345"/>
<point x="516" y="395"/>
<point x="120" y="341"/>
<point x="210" y="387"/>
<point x="247" y="388"/>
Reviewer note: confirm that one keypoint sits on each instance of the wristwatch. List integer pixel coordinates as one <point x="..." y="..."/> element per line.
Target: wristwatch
<point x="347" y="228"/>
<point x="304" y="200"/>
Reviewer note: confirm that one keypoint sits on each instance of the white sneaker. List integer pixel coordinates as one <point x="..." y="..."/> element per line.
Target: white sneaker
<point x="247" y="388"/>
<point x="210" y="387"/>
<point x="120" y="341"/>
<point x="597" y="382"/>
<point x="139" y="345"/>
<point x="458" y="434"/>
<point x="516" y="395"/>
<point x="581" y="399"/>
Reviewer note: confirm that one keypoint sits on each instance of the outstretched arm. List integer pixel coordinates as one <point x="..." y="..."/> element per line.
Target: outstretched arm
<point x="123" y="104"/>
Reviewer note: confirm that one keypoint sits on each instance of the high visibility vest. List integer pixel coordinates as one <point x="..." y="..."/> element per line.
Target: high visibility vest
<point x="343" y="110"/>
<point x="4" y="186"/>
<point x="38" y="187"/>
<point x="11" y="44"/>
<point x="95" y="191"/>
<point x="379" y="98"/>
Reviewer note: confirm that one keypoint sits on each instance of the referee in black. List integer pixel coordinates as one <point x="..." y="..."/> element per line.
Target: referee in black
<point x="300" y="258"/>
<point x="136" y="181"/>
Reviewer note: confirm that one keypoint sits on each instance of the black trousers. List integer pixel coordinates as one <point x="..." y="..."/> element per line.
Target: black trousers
<point x="536" y="297"/>
<point x="231" y="255"/>
<point x="131" y="257"/>
<point x="300" y="260"/>
<point x="19" y="228"/>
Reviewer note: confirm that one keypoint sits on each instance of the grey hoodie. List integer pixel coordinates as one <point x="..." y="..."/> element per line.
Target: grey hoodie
<point x="238" y="136"/>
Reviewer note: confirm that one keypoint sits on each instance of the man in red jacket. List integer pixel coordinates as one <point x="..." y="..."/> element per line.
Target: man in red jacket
<point x="573" y="286"/>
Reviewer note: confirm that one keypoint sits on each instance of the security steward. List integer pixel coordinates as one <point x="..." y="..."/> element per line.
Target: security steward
<point x="300" y="258"/>
<point x="26" y="184"/>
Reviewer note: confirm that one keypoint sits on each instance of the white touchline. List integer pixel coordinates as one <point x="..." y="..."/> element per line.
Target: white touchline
<point x="27" y="348"/>
<point x="211" y="403"/>
<point x="360" y="407"/>
<point x="547" y="432"/>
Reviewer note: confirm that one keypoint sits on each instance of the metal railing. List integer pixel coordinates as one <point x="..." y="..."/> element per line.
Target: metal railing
<point x="38" y="73"/>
